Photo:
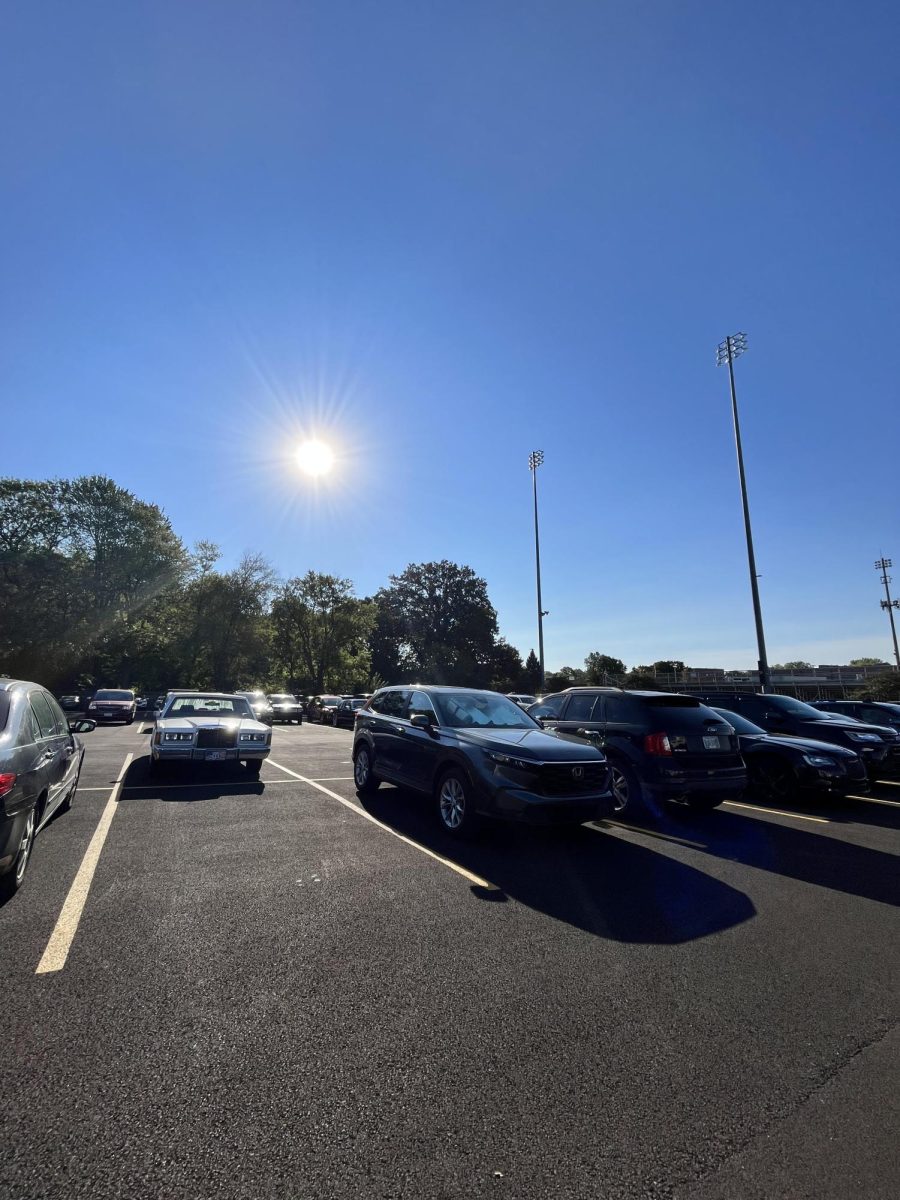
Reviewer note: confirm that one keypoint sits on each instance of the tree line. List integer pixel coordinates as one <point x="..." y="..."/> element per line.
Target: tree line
<point x="96" y="589"/>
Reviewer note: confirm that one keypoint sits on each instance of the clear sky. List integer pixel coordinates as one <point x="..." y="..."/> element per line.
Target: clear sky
<point x="443" y="234"/>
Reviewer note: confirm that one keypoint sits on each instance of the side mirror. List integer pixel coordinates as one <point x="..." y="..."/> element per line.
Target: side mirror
<point x="420" y="721"/>
<point x="83" y="726"/>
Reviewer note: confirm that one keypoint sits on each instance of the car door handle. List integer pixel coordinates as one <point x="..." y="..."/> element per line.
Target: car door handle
<point x="399" y="729"/>
<point x="589" y="733"/>
<point x="47" y="755"/>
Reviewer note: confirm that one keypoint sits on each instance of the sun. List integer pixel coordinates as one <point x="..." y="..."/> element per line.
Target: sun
<point x="315" y="458"/>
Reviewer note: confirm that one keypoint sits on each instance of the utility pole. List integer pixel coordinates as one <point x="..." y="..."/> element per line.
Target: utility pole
<point x="889" y="604"/>
<point x="733" y="347"/>
<point x="535" y="460"/>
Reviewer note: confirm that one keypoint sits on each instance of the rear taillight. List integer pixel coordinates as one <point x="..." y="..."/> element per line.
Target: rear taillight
<point x="657" y="743"/>
<point x="7" y="782"/>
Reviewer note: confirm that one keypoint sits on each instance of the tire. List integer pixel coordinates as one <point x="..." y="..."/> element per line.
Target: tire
<point x="364" y="777"/>
<point x="774" y="780"/>
<point x="455" y="807"/>
<point x="13" y="879"/>
<point x="66" y="805"/>
<point x="626" y="788"/>
<point x="253" y="767"/>
<point x="334" y="722"/>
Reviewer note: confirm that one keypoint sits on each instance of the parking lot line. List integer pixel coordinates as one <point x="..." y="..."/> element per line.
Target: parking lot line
<point x="887" y="783"/>
<point x="57" y="948"/>
<point x="332" y="778"/>
<point x="872" y="800"/>
<point x="777" y="812"/>
<point x="476" y="879"/>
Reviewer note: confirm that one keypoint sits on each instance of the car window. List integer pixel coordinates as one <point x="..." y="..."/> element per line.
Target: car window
<point x="62" y="725"/>
<point x="420" y="705"/>
<point x="619" y="708"/>
<point x="29" y="731"/>
<point x="393" y="704"/>
<point x="878" y="716"/>
<point x="551" y="707"/>
<point x="206" y="706"/>
<point x="581" y="705"/>
<point x="114" y="695"/>
<point x="45" y="718"/>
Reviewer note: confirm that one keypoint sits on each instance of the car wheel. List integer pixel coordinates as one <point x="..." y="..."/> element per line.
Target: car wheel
<point x="14" y="877"/>
<point x="363" y="776"/>
<point x="454" y="804"/>
<point x="253" y="767"/>
<point x="626" y="788"/>
<point x="334" y="721"/>
<point x="66" y="805"/>
<point x="775" y="780"/>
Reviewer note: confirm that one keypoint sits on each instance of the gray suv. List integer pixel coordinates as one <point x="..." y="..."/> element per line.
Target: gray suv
<point x="40" y="761"/>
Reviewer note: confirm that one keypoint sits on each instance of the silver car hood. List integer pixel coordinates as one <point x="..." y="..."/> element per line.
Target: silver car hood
<point x="189" y="724"/>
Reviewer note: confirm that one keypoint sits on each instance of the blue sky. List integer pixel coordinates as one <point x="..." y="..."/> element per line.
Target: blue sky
<point x="441" y="235"/>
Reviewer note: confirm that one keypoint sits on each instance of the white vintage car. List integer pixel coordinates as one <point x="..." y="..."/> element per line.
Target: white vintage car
<point x="208" y="727"/>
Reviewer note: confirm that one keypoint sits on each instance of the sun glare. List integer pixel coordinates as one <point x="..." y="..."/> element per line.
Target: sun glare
<point x="315" y="458"/>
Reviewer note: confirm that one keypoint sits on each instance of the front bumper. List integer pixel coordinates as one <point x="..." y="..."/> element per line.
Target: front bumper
<point x="836" y="782"/>
<point x="516" y="804"/>
<point x="110" y="714"/>
<point x="191" y="754"/>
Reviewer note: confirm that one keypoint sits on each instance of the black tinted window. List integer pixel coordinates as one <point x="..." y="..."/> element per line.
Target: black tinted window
<point x="45" y="718"/>
<point x="550" y="707"/>
<point x="390" y="704"/>
<point x="420" y="704"/>
<point x="580" y="707"/>
<point x="620" y="708"/>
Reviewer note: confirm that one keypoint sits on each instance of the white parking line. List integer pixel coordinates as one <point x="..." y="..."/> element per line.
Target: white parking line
<point x="330" y="778"/>
<point x="872" y="800"/>
<point x="57" y="949"/>
<point x="361" y="812"/>
<point x="777" y="812"/>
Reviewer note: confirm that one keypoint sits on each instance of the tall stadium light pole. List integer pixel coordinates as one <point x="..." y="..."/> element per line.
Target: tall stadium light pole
<point x="535" y="460"/>
<point x="882" y="566"/>
<point x="733" y="347"/>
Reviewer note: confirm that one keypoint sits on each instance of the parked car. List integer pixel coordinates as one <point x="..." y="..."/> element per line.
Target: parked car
<point x="70" y="703"/>
<point x="476" y="753"/>
<point x="870" y="712"/>
<point x="208" y="727"/>
<point x="345" y="713"/>
<point x="781" y="767"/>
<point x="522" y="699"/>
<point x="262" y="709"/>
<point x="879" y="748"/>
<point x="141" y="703"/>
<point x="320" y="709"/>
<point x="285" y="708"/>
<point x="661" y="747"/>
<point x="40" y="761"/>
<point x="112" y="704"/>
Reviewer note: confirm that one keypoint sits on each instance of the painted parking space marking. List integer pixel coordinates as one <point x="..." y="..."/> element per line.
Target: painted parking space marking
<point x="332" y="778"/>
<point x="873" y="800"/>
<point x="777" y="812"/>
<point x="361" y="812"/>
<point x="57" y="949"/>
<point x="887" y="783"/>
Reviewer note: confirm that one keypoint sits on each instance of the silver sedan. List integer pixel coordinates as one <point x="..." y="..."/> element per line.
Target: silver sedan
<point x="208" y="727"/>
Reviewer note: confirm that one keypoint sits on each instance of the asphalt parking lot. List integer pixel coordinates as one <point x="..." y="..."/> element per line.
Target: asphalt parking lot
<point x="267" y="990"/>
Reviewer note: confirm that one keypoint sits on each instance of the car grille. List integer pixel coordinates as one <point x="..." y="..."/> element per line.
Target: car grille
<point x="216" y="737"/>
<point x="573" y="779"/>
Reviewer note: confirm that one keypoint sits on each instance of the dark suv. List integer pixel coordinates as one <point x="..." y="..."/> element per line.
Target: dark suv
<point x="660" y="746"/>
<point x="477" y="753"/>
<point x="871" y="712"/>
<point x="878" y="747"/>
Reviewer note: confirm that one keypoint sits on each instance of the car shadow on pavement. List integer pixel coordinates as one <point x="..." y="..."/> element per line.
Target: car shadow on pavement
<point x="595" y="881"/>
<point x="829" y="862"/>
<point x="190" y="784"/>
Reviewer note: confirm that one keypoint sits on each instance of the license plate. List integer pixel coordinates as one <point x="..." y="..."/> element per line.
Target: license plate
<point x="710" y="742"/>
<point x="215" y="755"/>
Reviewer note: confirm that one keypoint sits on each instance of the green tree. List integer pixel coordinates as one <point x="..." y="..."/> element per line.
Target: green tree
<point x="866" y="662"/>
<point x="532" y="675"/>
<point x="882" y="687"/>
<point x="603" y="668"/>
<point x="668" y="666"/>
<point x="794" y="665"/>
<point x="565" y="677"/>
<point x="507" y="671"/>
<point x="320" y="633"/>
<point x="441" y="625"/>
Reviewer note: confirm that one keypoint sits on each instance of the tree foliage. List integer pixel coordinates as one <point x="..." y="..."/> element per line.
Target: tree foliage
<point x="603" y="669"/>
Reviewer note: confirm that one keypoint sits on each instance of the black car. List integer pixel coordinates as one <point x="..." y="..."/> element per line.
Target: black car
<point x="40" y="761"/>
<point x="345" y="713"/>
<point x="878" y="747"/>
<point x="70" y="703"/>
<point x="870" y="712"/>
<point x="285" y="708"/>
<point x="262" y="709"/>
<point x="779" y="767"/>
<point x="322" y="708"/>
<point x="661" y="747"/>
<point x="477" y="753"/>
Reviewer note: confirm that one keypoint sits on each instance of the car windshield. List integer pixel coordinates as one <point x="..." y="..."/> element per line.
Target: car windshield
<point x="113" y="696"/>
<point x="739" y="724"/>
<point x="209" y="706"/>
<point x="329" y="699"/>
<point x="485" y="710"/>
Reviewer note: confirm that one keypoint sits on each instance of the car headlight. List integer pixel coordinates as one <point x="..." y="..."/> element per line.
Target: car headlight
<point x="253" y="737"/>
<point x="819" y="760"/>
<point x="177" y="737"/>
<point x="863" y="737"/>
<point x="506" y="760"/>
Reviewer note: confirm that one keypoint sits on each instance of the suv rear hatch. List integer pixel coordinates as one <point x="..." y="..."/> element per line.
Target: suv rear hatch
<point x="691" y="734"/>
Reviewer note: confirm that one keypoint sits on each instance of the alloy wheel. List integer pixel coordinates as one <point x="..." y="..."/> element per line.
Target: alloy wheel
<point x="620" y="790"/>
<point x="25" y="848"/>
<point x="361" y="769"/>
<point x="452" y="802"/>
